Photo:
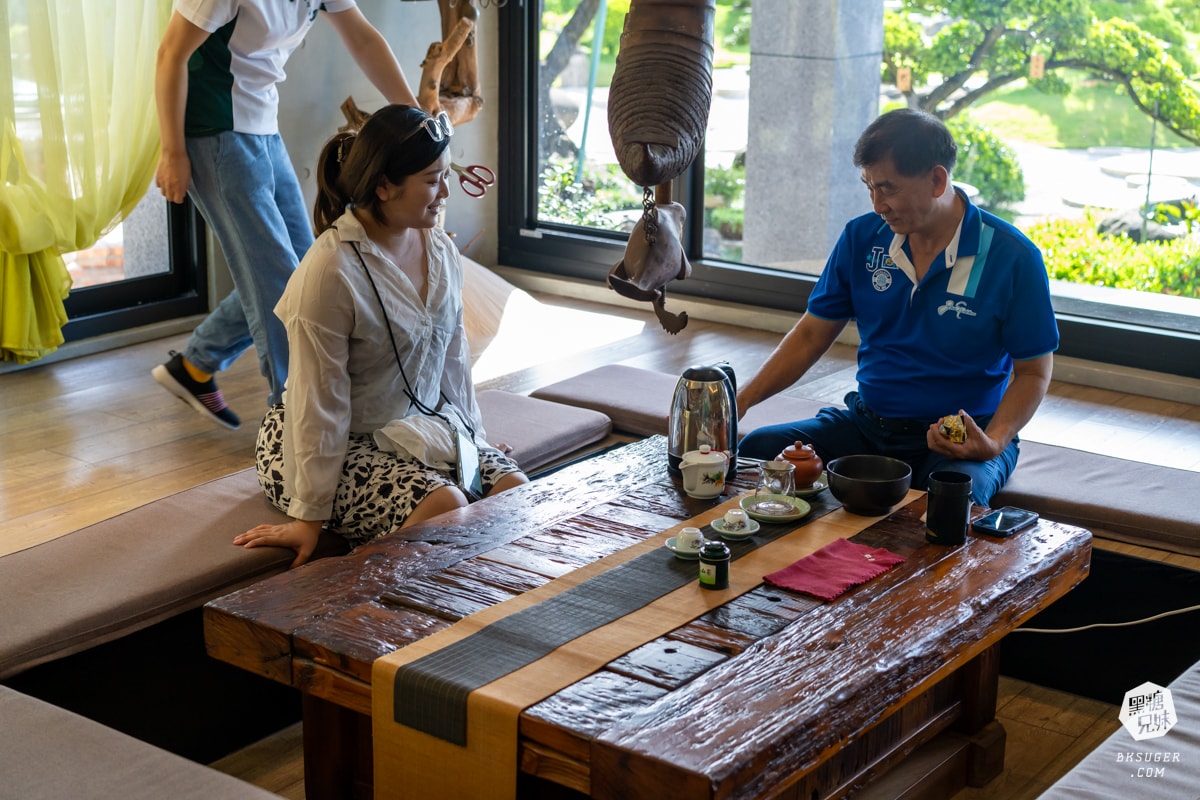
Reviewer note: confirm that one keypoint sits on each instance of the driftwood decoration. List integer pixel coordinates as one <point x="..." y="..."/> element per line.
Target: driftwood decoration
<point x="657" y="114"/>
<point x="450" y="71"/>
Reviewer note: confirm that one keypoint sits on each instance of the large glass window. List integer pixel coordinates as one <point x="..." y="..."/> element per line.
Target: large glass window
<point x="77" y="145"/>
<point x="755" y="231"/>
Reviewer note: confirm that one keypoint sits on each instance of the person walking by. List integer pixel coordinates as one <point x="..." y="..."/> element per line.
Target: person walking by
<point x="218" y="66"/>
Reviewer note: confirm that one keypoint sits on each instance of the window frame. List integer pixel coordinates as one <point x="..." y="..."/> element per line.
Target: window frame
<point x="181" y="291"/>
<point x="1089" y="330"/>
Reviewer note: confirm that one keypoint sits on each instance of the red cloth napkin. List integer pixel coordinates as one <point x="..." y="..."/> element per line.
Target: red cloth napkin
<point x="834" y="568"/>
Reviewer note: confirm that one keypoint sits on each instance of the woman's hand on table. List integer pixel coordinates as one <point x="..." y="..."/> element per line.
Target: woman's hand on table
<point x="300" y="535"/>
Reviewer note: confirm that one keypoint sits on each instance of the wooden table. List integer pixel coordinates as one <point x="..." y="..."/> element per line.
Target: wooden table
<point x="774" y="694"/>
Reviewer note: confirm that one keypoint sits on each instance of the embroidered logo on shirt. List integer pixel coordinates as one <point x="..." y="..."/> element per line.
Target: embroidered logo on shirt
<point x="958" y="308"/>
<point x="879" y="263"/>
<point x="880" y="260"/>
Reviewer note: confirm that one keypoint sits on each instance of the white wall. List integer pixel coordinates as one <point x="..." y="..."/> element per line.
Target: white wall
<point x="321" y="75"/>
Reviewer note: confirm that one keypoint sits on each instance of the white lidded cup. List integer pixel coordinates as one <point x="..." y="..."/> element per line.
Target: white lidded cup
<point x="689" y="540"/>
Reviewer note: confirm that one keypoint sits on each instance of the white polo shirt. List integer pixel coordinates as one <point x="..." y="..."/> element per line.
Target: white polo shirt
<point x="232" y="76"/>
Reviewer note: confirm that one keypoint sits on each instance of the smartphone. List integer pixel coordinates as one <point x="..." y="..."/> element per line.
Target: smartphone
<point x="470" y="480"/>
<point x="1004" y="521"/>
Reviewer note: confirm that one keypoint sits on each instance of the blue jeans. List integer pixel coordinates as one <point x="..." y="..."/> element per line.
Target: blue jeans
<point x="838" y="432"/>
<point x="246" y="189"/>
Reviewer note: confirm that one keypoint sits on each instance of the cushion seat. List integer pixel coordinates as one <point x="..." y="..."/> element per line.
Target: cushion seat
<point x="638" y="400"/>
<point x="48" y="753"/>
<point x="539" y="431"/>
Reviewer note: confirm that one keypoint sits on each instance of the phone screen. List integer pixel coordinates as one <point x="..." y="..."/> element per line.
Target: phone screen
<point x="469" y="477"/>
<point x="1005" y="521"/>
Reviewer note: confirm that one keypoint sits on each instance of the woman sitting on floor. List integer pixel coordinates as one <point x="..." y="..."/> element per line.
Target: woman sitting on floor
<point x="374" y="318"/>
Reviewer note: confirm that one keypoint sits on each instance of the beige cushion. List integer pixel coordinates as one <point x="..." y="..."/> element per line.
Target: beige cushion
<point x="639" y="400"/>
<point x="47" y="753"/>
<point x="123" y="574"/>
<point x="539" y="431"/>
<point x="1143" y="504"/>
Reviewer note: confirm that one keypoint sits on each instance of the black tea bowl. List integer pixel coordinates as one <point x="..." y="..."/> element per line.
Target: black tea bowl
<point x="867" y="484"/>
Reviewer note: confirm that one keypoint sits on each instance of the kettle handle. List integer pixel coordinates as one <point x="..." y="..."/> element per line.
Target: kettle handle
<point x="727" y="368"/>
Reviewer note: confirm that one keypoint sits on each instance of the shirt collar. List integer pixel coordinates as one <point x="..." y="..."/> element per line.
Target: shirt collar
<point x="965" y="241"/>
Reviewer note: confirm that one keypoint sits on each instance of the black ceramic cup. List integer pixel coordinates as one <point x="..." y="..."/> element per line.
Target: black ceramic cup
<point x="949" y="511"/>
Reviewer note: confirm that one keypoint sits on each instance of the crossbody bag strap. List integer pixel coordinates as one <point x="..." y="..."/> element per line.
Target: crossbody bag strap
<point x="408" y="390"/>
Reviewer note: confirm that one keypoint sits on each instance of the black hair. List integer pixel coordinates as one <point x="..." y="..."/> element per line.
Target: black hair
<point x="915" y="141"/>
<point x="353" y="163"/>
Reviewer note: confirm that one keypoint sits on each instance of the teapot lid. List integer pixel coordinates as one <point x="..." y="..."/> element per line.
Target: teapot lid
<point x="799" y="452"/>
<point x="705" y="455"/>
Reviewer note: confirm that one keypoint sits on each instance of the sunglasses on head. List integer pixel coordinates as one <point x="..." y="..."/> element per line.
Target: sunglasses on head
<point x="438" y="127"/>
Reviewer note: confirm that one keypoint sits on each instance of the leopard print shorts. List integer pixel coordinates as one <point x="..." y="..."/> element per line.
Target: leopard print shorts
<point x="377" y="491"/>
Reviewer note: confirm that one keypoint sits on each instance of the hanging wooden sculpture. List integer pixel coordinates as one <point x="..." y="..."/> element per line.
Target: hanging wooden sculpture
<point x="657" y="113"/>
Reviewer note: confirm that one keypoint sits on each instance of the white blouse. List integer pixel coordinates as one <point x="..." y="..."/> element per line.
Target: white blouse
<point x="342" y="372"/>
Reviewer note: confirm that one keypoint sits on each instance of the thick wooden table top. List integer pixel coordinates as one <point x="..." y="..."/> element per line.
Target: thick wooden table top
<point x="738" y="697"/>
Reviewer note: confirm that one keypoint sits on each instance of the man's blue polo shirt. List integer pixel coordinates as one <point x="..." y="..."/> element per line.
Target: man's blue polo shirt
<point x="928" y="350"/>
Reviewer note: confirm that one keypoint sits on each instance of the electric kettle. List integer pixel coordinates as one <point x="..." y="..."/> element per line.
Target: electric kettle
<point x="703" y="411"/>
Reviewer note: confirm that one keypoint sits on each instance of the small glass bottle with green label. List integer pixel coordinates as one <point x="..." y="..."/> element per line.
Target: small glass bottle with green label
<point x="714" y="565"/>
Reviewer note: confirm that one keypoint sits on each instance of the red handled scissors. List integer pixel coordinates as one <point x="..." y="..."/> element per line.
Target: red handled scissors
<point x="474" y="179"/>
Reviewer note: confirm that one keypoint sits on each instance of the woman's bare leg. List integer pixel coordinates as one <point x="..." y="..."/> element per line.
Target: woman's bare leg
<point x="439" y="501"/>
<point x="509" y="481"/>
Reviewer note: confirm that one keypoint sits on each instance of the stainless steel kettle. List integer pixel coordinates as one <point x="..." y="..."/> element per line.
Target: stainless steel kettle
<point x="703" y="411"/>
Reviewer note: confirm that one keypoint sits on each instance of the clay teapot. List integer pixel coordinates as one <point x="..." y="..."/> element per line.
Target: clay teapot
<point x="806" y="461"/>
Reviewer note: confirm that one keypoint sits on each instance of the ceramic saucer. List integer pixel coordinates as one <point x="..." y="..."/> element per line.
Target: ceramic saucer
<point x="749" y="530"/>
<point x="818" y="486"/>
<point x="690" y="555"/>
<point x="800" y="507"/>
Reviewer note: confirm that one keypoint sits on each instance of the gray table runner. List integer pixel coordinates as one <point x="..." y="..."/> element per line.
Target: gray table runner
<point x="431" y="692"/>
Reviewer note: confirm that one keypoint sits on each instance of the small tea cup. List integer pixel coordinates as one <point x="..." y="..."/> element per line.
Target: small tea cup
<point x="689" y="540"/>
<point x="735" y="520"/>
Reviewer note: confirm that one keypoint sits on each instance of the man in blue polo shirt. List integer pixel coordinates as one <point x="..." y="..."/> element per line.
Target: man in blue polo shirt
<point x="953" y="312"/>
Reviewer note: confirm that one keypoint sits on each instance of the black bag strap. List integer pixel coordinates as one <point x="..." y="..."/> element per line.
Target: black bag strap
<point x="408" y="390"/>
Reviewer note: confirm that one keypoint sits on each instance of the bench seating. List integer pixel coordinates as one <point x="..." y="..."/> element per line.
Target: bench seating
<point x="47" y="753"/>
<point x="1127" y="501"/>
<point x="1166" y="767"/>
<point x="126" y="573"/>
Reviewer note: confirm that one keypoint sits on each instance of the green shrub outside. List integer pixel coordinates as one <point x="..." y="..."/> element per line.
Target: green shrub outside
<point x="1074" y="251"/>
<point x="987" y="163"/>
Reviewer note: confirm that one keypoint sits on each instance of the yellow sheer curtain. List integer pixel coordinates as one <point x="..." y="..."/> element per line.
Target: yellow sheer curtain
<point x="78" y="146"/>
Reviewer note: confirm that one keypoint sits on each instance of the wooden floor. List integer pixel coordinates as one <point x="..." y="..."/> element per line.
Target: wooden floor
<point x="88" y="438"/>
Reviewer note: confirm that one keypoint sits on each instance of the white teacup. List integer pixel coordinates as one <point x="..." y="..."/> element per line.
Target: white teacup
<point x="689" y="540"/>
<point x="735" y="520"/>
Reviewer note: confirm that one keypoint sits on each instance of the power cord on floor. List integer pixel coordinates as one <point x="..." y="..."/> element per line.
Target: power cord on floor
<point x="1108" y="624"/>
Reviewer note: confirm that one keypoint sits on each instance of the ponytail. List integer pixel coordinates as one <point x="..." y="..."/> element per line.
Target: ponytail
<point x="331" y="198"/>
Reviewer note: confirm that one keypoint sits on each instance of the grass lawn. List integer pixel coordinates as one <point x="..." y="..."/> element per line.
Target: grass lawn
<point x="1094" y="114"/>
